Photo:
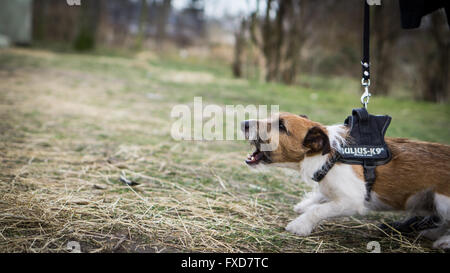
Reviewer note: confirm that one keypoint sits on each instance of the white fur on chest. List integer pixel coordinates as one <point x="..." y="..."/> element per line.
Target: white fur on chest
<point x="340" y="184"/>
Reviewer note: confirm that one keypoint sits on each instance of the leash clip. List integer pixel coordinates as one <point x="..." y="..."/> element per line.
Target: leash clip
<point x="366" y="96"/>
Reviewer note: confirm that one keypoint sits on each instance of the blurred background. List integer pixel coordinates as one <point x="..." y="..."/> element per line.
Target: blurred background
<point x="263" y="40"/>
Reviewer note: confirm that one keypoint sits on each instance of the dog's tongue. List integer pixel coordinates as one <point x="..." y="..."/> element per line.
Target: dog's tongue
<point x="255" y="158"/>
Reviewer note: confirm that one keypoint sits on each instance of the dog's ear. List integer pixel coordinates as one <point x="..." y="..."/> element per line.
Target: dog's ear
<point x="316" y="140"/>
<point x="303" y="116"/>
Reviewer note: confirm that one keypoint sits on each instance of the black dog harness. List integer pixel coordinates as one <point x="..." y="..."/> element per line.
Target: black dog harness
<point x="365" y="146"/>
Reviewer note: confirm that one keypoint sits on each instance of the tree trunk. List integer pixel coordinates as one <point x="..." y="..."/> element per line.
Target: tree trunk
<point x="281" y="37"/>
<point x="278" y="37"/>
<point x="385" y="31"/>
<point x="267" y="44"/>
<point x="292" y="58"/>
<point x="39" y="8"/>
<point x="143" y="14"/>
<point x="239" y="45"/>
<point x="436" y="67"/>
<point x="162" y="20"/>
<point x="86" y="37"/>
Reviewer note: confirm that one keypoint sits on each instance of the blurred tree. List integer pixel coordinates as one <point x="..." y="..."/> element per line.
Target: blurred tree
<point x="39" y="8"/>
<point x="385" y="32"/>
<point x="267" y="36"/>
<point x="190" y="26"/>
<point x="163" y="17"/>
<point x="435" y="66"/>
<point x="143" y="15"/>
<point x="88" y="23"/>
<point x="294" y="40"/>
<point x="280" y="36"/>
<point x="54" y="20"/>
<point x="239" y="45"/>
<point x="300" y="14"/>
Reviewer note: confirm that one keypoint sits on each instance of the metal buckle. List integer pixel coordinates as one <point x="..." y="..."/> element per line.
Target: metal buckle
<point x="365" y="64"/>
<point x="365" y="83"/>
<point x="366" y="96"/>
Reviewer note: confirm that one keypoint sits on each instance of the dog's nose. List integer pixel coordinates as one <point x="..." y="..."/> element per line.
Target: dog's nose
<point x="250" y="129"/>
<point x="245" y="125"/>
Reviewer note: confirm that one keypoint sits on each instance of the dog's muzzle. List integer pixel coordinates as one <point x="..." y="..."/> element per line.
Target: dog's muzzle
<point x="250" y="130"/>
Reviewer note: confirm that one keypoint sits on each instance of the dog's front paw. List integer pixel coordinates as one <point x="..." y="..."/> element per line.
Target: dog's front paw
<point x="300" y="226"/>
<point x="442" y="243"/>
<point x="300" y="208"/>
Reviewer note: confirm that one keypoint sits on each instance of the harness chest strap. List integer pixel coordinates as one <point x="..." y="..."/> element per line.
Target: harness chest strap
<point x="322" y="172"/>
<point x="369" y="176"/>
<point x="365" y="146"/>
<point x="369" y="172"/>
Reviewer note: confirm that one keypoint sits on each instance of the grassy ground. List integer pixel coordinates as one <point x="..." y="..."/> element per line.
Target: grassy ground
<point x="71" y="125"/>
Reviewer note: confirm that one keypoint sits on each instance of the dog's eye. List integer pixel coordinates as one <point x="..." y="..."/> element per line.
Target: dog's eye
<point x="281" y="126"/>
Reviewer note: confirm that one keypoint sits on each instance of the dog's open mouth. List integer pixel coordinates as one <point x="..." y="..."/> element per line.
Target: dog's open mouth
<point x="257" y="157"/>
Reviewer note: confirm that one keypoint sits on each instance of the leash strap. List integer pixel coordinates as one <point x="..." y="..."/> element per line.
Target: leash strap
<point x="366" y="44"/>
<point x="365" y="62"/>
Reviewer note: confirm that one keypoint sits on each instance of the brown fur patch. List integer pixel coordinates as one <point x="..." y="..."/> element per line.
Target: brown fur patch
<point x="416" y="166"/>
<point x="291" y="148"/>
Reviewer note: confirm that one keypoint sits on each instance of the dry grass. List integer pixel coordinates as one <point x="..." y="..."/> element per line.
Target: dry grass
<point x="72" y="125"/>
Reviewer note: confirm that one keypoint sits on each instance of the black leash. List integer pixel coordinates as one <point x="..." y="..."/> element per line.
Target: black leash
<point x="365" y="62"/>
<point x="366" y="44"/>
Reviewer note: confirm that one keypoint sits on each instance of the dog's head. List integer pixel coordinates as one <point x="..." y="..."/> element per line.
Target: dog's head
<point x="287" y="138"/>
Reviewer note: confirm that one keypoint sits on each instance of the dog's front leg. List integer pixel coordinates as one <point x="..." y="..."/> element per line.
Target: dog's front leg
<point x="305" y="223"/>
<point x="310" y="199"/>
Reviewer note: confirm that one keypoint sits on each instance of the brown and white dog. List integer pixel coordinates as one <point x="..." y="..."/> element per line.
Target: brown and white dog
<point x="417" y="179"/>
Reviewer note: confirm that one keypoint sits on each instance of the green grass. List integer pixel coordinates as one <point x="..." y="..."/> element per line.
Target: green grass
<point x="72" y="124"/>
